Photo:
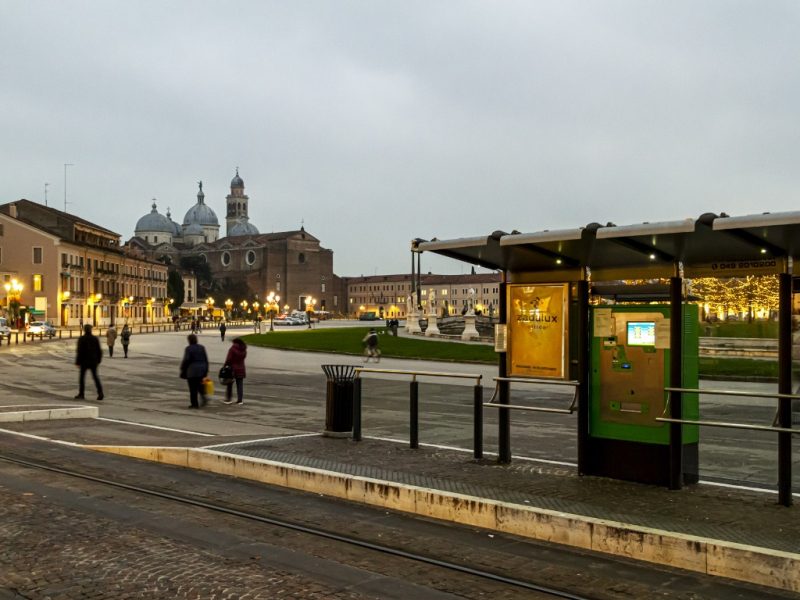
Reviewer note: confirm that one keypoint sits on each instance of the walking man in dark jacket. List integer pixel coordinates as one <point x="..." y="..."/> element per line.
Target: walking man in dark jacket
<point x="88" y="358"/>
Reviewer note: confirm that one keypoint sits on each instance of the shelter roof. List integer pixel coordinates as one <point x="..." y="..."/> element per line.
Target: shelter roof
<point x="710" y="244"/>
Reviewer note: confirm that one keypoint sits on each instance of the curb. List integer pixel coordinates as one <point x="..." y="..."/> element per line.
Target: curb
<point x="761" y="566"/>
<point x="46" y="414"/>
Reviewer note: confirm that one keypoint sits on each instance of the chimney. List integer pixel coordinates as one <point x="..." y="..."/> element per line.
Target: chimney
<point x="12" y="210"/>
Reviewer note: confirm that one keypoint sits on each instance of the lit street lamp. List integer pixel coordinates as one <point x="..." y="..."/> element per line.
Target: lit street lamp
<point x="310" y="302"/>
<point x="229" y="306"/>
<point x="210" y="307"/>
<point x="273" y="304"/>
<point x="256" y="317"/>
<point x="13" y="295"/>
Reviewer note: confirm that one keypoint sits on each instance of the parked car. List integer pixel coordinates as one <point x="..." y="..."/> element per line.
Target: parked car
<point x="5" y="330"/>
<point x="290" y="321"/>
<point x="41" y="327"/>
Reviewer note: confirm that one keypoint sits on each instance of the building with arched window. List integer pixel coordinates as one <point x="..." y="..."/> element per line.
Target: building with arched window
<point x="293" y="264"/>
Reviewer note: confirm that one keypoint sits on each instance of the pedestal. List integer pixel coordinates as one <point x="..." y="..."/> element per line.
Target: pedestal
<point x="412" y="322"/>
<point x="433" y="328"/>
<point x="469" y="333"/>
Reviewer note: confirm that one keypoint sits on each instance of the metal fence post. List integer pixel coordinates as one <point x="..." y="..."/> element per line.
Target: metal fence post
<point x="357" y="409"/>
<point x="414" y="413"/>
<point x="504" y="423"/>
<point x="477" y="421"/>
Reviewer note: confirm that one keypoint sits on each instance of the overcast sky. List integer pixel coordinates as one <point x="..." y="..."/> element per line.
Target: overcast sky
<point x="378" y="122"/>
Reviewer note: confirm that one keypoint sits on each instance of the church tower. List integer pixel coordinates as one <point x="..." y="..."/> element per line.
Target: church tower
<point x="236" y="203"/>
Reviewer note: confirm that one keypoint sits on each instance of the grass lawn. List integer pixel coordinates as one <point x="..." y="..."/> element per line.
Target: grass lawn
<point x="738" y="367"/>
<point x="347" y="340"/>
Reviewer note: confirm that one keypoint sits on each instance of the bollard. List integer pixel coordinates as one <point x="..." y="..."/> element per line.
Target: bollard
<point x="477" y="422"/>
<point x="357" y="410"/>
<point x="413" y="414"/>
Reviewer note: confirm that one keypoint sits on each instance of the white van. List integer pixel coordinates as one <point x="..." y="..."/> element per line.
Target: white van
<point x="4" y="329"/>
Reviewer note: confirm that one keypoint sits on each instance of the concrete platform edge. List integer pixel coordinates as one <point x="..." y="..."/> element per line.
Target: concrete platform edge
<point x="69" y="412"/>
<point x="761" y="566"/>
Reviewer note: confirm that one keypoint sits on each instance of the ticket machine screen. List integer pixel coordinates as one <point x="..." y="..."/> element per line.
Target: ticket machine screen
<point x="641" y="333"/>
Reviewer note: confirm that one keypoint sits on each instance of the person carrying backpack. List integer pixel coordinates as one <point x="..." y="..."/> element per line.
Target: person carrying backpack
<point x="125" y="336"/>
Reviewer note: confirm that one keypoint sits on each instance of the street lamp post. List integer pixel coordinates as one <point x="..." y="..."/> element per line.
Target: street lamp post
<point x="210" y="307"/>
<point x="13" y="295"/>
<point x="256" y="317"/>
<point x="273" y="302"/>
<point x="229" y="306"/>
<point x="310" y="302"/>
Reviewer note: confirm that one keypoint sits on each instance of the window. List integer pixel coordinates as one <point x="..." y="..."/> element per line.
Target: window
<point x="37" y="282"/>
<point x="250" y="257"/>
<point x="225" y="259"/>
<point x="301" y="258"/>
<point x="37" y="255"/>
<point x="278" y="286"/>
<point x="323" y="287"/>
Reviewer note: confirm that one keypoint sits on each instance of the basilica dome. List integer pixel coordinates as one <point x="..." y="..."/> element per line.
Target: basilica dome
<point x="237" y="182"/>
<point x="243" y="227"/>
<point x="200" y="213"/>
<point x="154" y="222"/>
<point x="193" y="229"/>
<point x="176" y="229"/>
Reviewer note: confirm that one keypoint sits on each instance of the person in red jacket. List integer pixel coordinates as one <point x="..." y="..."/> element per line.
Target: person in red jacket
<point x="235" y="359"/>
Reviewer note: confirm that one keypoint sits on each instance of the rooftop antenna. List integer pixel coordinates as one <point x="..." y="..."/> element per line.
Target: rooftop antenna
<point x="45" y="193"/>
<point x="65" y="184"/>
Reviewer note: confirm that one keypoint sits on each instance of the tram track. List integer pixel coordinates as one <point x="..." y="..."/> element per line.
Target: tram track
<point x="305" y="529"/>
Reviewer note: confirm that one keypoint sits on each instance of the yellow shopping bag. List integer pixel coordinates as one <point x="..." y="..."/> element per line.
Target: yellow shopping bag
<point x="207" y="387"/>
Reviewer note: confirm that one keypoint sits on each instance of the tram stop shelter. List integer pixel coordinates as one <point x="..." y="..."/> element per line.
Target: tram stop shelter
<point x="634" y="365"/>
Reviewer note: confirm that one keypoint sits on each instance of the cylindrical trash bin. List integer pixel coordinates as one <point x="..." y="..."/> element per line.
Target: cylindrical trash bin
<point x="339" y="399"/>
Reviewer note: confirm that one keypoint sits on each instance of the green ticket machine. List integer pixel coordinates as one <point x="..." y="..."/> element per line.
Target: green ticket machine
<point x="629" y="369"/>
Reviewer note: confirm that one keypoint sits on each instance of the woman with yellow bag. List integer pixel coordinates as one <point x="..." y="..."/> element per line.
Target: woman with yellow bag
<point x="194" y="368"/>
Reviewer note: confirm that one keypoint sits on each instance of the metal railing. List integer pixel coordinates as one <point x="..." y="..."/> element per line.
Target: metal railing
<point x="563" y="411"/>
<point x="414" y="403"/>
<point x="731" y="425"/>
<point x="502" y="389"/>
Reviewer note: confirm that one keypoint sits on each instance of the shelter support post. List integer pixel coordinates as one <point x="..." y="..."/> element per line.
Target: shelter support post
<point x="785" y="387"/>
<point x="582" y="289"/>
<point x="504" y="415"/>
<point x="676" y="381"/>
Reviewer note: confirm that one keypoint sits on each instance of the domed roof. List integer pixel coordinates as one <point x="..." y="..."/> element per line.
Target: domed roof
<point x="193" y="229"/>
<point x="153" y="221"/>
<point x="242" y="227"/>
<point x="176" y="229"/>
<point x="201" y="214"/>
<point x="237" y="182"/>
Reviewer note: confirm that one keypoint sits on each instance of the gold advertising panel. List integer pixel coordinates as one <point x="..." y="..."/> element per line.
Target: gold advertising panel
<point x="537" y="344"/>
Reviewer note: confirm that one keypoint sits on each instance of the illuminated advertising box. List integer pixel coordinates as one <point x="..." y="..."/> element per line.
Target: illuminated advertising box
<point x="537" y="344"/>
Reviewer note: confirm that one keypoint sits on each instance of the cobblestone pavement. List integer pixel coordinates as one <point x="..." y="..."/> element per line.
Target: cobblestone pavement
<point x="54" y="552"/>
<point x="75" y="539"/>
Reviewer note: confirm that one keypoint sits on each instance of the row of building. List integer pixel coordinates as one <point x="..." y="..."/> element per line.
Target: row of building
<point x="59" y="267"/>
